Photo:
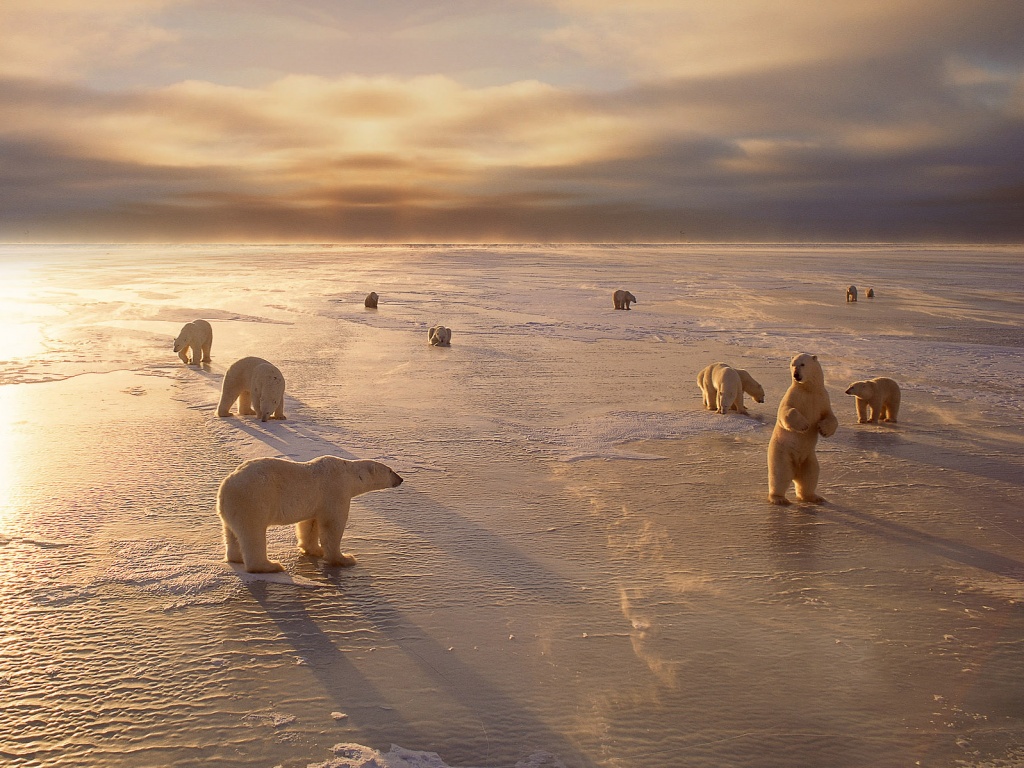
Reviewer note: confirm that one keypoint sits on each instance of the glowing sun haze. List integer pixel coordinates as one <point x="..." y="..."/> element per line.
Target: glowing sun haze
<point x="550" y="120"/>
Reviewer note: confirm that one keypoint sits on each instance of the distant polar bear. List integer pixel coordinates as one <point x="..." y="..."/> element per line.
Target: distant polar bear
<point x="312" y="495"/>
<point x="722" y="388"/>
<point x="871" y="293"/>
<point x="439" y="336"/>
<point x="804" y="413"/>
<point x="881" y="395"/>
<point x="851" y="293"/>
<point x="370" y="302"/>
<point x="196" y="336"/>
<point x="253" y="382"/>
<point x="622" y="299"/>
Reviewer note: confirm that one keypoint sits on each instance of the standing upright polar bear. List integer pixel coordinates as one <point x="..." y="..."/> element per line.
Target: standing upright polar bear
<point x="196" y="336"/>
<point x="804" y="413"/>
<point x="314" y="496"/>
<point x="252" y="381"/>
<point x="722" y="387"/>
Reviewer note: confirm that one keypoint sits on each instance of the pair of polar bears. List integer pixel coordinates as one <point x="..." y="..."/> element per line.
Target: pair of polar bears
<point x="806" y="412"/>
<point x="257" y="385"/>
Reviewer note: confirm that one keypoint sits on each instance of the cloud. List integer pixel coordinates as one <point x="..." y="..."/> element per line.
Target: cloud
<point x="871" y="119"/>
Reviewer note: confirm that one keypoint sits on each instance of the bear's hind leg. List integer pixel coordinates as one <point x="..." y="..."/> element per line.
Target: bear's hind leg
<point x="232" y="551"/>
<point x="780" y="475"/>
<point x="206" y="352"/>
<point x="307" y="534"/>
<point x="254" y="552"/>
<point x="806" y="480"/>
<point x="227" y="399"/>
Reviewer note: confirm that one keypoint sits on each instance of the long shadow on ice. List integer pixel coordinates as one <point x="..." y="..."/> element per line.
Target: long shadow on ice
<point x="939" y="546"/>
<point x="495" y="710"/>
<point x="978" y="460"/>
<point x="338" y="677"/>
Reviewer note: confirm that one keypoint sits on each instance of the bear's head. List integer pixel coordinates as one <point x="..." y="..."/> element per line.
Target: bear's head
<point x="864" y="389"/>
<point x="806" y="369"/>
<point x="630" y="297"/>
<point x="361" y="476"/>
<point x="180" y="343"/>
<point x="755" y="390"/>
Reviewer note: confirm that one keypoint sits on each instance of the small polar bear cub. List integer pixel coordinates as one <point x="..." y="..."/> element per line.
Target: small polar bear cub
<point x="622" y="299"/>
<point x="439" y="336"/>
<point x="257" y="385"/>
<point x="851" y="293"/>
<point x="881" y="396"/>
<point x="370" y="302"/>
<point x="722" y="387"/>
<point x="196" y="336"/>
<point x="314" y="496"/>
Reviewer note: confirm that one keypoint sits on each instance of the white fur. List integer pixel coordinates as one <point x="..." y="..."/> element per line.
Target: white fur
<point x="439" y="336"/>
<point x="314" y="496"/>
<point x="257" y="385"/>
<point x="622" y="299"/>
<point x="804" y="413"/>
<point x="880" y="395"/>
<point x="722" y="388"/>
<point x="196" y="336"/>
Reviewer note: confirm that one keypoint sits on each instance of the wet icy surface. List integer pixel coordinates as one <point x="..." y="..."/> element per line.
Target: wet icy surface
<point x="581" y="568"/>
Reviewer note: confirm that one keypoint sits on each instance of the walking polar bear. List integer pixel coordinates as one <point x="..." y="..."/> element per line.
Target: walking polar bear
<point x="622" y="299"/>
<point x="314" y="496"/>
<point x="722" y="387"/>
<point x="257" y="385"/>
<point x="196" y="337"/>
<point x="804" y="413"/>
<point x="439" y="336"/>
<point x="881" y="396"/>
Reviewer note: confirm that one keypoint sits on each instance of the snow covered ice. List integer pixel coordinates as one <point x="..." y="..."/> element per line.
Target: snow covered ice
<point x="581" y="568"/>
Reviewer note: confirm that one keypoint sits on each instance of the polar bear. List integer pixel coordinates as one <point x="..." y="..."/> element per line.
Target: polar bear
<point x="314" y="496"/>
<point x="804" y="413"/>
<point x="851" y="293"/>
<point x="622" y="299"/>
<point x="722" y="388"/>
<point x="871" y="293"/>
<point x="439" y="336"/>
<point x="196" y="336"/>
<point x="370" y="302"/>
<point x="254" y="383"/>
<point x="881" y="395"/>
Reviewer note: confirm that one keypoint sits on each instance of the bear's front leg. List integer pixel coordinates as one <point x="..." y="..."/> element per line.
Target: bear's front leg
<point x="332" y="527"/>
<point x="862" y="410"/>
<point x="245" y="403"/>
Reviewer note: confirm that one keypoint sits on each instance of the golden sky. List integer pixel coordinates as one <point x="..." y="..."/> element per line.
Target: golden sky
<point x="488" y="120"/>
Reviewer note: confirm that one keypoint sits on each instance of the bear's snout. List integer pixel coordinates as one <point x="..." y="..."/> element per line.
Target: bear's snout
<point x="398" y="480"/>
<point x="849" y="391"/>
<point x="796" y="376"/>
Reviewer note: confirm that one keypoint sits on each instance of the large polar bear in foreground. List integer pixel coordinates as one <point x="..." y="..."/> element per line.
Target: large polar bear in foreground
<point x="254" y="383"/>
<point x="722" y="387"/>
<point x="881" y="395"/>
<point x="314" y="496"/>
<point x="196" y="336"/>
<point x="804" y="413"/>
